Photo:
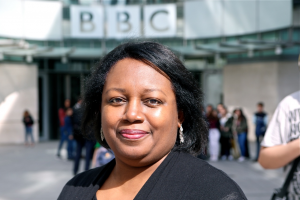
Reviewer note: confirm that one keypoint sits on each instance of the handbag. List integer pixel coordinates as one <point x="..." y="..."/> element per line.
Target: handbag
<point x="281" y="193"/>
<point x="235" y="147"/>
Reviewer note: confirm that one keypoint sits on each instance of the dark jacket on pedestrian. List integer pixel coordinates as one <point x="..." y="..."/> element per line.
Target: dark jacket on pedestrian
<point x="226" y="132"/>
<point x="68" y="125"/>
<point x="28" y="121"/>
<point x="76" y="120"/>
<point x="238" y="126"/>
<point x="260" y="120"/>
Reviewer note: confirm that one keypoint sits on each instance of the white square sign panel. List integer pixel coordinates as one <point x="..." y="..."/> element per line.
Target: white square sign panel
<point x="123" y="21"/>
<point x="87" y="22"/>
<point x="42" y="20"/>
<point x="160" y="20"/>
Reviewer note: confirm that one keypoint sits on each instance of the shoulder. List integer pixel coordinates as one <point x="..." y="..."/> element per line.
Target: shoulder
<point x="82" y="186"/>
<point x="86" y="178"/>
<point x="294" y="97"/>
<point x="215" y="183"/>
<point x="205" y="169"/>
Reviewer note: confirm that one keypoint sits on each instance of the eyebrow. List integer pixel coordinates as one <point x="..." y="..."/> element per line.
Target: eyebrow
<point x="153" y="90"/>
<point x="123" y="90"/>
<point x="116" y="89"/>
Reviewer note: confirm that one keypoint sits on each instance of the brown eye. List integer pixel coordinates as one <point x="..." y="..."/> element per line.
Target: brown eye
<point x="116" y="100"/>
<point x="153" y="102"/>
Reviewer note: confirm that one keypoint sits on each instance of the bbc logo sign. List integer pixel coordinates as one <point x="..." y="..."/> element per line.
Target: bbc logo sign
<point x="123" y="21"/>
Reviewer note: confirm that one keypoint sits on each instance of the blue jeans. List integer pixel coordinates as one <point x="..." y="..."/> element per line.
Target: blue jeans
<point x="64" y="136"/>
<point x="89" y="147"/>
<point x="28" y="133"/>
<point x="242" y="143"/>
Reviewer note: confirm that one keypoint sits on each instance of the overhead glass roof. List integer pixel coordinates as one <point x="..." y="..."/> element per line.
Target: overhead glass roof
<point x="23" y="49"/>
<point x="191" y="51"/>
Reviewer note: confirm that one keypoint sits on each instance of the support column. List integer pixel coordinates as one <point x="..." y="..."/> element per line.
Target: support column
<point x="68" y="87"/>
<point x="81" y="84"/>
<point x="46" y="113"/>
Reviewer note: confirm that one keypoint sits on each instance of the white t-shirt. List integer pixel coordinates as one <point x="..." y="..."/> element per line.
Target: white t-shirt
<point x="284" y="128"/>
<point x="223" y="120"/>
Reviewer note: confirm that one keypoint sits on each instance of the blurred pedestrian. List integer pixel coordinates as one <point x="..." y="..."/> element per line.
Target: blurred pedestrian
<point x="240" y="128"/>
<point x="102" y="156"/>
<point x="226" y="134"/>
<point x="61" y="117"/>
<point x="214" y="133"/>
<point x="68" y="129"/>
<point x="220" y="107"/>
<point x="81" y="141"/>
<point x="28" y="122"/>
<point x="260" y="119"/>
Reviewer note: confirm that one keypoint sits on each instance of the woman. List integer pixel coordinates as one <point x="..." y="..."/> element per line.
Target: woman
<point x="214" y="133"/>
<point x="61" y="117"/>
<point x="226" y="134"/>
<point x="68" y="131"/>
<point x="145" y="106"/>
<point x="240" y="127"/>
<point x="28" y="122"/>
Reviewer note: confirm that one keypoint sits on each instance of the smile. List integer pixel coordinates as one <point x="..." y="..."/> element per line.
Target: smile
<point x="133" y="134"/>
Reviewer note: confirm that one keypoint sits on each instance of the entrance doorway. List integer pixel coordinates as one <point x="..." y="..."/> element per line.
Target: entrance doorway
<point x="58" y="87"/>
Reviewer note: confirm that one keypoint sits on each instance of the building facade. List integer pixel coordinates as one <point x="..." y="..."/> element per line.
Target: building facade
<point x="240" y="52"/>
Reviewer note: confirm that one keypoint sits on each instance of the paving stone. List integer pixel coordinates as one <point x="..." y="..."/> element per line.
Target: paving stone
<point x="35" y="173"/>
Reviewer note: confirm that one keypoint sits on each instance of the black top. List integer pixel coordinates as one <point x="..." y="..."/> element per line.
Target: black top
<point x="28" y="121"/>
<point x="179" y="176"/>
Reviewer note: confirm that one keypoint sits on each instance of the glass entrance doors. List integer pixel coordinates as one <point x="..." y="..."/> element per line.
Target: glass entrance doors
<point x="54" y="89"/>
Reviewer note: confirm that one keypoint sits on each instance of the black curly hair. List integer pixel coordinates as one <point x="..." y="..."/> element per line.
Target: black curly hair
<point x="188" y="95"/>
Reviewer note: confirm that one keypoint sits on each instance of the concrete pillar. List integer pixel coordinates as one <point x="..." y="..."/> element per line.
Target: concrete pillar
<point x="68" y="87"/>
<point x="246" y="84"/>
<point x="19" y="88"/>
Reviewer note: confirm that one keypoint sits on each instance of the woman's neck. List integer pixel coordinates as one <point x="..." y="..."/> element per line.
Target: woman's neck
<point x="126" y="181"/>
<point x="124" y="172"/>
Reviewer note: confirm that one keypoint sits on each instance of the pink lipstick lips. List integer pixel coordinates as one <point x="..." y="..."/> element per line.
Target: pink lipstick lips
<point x="133" y="134"/>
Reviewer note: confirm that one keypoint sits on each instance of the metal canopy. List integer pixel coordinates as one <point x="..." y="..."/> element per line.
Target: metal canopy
<point x="55" y="52"/>
<point x="22" y="48"/>
<point x="267" y="42"/>
<point x="26" y="52"/>
<point x="191" y="51"/>
<point x="86" y="53"/>
<point x="7" y="42"/>
<point x="248" y="46"/>
<point x="218" y="49"/>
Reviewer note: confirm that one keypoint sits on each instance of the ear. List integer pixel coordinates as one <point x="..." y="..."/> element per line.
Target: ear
<point x="180" y="118"/>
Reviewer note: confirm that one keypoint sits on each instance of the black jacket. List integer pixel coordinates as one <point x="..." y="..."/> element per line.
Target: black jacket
<point x="180" y="176"/>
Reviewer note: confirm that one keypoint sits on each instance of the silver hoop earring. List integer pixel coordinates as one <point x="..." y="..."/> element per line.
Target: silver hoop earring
<point x="101" y="134"/>
<point x="181" y="138"/>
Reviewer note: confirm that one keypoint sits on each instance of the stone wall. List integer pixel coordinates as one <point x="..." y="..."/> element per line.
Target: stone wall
<point x="18" y="91"/>
<point x="246" y="84"/>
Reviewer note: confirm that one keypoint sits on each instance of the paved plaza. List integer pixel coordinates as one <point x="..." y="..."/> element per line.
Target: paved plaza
<point x="35" y="173"/>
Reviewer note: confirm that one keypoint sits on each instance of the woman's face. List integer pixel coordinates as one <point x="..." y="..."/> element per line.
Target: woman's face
<point x="238" y="113"/>
<point x="208" y="109"/>
<point x="223" y="111"/>
<point x="139" y="113"/>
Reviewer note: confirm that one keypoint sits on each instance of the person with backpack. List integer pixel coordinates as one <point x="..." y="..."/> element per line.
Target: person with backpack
<point x="260" y="119"/>
<point x="28" y="122"/>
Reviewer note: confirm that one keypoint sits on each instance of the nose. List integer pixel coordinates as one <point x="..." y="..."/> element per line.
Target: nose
<point x="133" y="112"/>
